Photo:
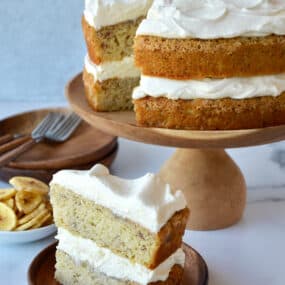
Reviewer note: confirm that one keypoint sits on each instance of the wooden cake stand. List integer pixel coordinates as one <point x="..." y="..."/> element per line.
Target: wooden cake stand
<point x="211" y="181"/>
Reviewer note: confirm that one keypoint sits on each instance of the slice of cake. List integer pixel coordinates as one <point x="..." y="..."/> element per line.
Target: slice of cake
<point x="116" y="231"/>
<point x="211" y="65"/>
<point x="110" y="75"/>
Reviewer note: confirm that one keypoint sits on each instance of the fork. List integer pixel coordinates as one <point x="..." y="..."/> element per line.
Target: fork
<point x="50" y="121"/>
<point x="63" y="130"/>
<point x="13" y="142"/>
<point x="7" y="138"/>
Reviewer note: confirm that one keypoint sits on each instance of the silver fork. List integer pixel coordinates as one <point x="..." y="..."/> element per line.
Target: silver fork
<point x="38" y="135"/>
<point x="63" y="130"/>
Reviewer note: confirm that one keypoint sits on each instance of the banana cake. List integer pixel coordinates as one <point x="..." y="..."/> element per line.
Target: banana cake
<point x="211" y="65"/>
<point x="117" y="231"/>
<point x="109" y="29"/>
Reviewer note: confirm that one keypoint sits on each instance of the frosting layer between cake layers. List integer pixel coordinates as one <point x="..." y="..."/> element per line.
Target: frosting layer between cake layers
<point x="101" y="13"/>
<point x="147" y="201"/>
<point x="112" y="69"/>
<point x="103" y="260"/>
<point x="235" y="88"/>
<point x="212" y="19"/>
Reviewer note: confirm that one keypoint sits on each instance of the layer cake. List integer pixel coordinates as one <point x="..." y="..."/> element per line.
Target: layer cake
<point x="211" y="65"/>
<point x="116" y="231"/>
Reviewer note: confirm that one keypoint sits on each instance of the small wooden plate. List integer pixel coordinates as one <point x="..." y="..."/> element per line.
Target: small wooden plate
<point x="41" y="270"/>
<point x="86" y="145"/>
<point x="45" y="175"/>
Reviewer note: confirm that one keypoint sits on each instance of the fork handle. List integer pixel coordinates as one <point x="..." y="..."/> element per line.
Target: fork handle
<point x="6" y="138"/>
<point x="12" y="144"/>
<point x="15" y="153"/>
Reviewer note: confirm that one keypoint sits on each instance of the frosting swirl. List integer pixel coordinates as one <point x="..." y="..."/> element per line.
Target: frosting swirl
<point x="234" y="88"/>
<point x="212" y="19"/>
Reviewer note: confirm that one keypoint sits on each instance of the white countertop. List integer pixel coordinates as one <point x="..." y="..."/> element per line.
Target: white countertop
<point x="251" y="252"/>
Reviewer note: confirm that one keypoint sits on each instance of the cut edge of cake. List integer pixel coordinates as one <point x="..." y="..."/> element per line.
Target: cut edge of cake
<point x="146" y="201"/>
<point x="109" y="29"/>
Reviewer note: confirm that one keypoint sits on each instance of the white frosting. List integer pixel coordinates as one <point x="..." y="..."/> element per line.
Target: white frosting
<point x="101" y="13"/>
<point x="103" y="260"/>
<point x="235" y="88"/>
<point x="147" y="200"/>
<point x="112" y="69"/>
<point x="211" y="19"/>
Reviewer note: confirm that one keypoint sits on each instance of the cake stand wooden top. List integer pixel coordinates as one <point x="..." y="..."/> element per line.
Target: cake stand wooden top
<point x="123" y="124"/>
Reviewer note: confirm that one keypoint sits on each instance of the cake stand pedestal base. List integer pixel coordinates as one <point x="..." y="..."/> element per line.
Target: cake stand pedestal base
<point x="212" y="183"/>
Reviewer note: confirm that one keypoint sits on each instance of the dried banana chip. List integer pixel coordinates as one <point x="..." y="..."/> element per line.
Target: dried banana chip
<point x="29" y="184"/>
<point x="8" y="219"/>
<point x="27" y="201"/>
<point x="6" y="194"/>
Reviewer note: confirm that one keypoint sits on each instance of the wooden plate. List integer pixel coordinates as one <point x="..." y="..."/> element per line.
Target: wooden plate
<point x="85" y="146"/>
<point x="123" y="124"/>
<point x="46" y="174"/>
<point x="41" y="270"/>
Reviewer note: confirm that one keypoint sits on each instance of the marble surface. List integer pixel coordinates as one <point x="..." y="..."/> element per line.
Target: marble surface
<point x="251" y="252"/>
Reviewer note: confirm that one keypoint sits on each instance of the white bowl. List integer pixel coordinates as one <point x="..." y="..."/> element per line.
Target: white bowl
<point x="27" y="236"/>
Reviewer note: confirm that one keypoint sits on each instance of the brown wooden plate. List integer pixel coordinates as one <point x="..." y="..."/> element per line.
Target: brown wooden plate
<point x="45" y="175"/>
<point x="86" y="145"/>
<point x="41" y="270"/>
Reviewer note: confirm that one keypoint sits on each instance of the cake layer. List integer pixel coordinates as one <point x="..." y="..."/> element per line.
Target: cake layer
<point x="214" y="19"/>
<point x="83" y="217"/>
<point x="234" y="88"/>
<point x="147" y="200"/>
<point x="70" y="273"/>
<point x="104" y="261"/>
<point x="204" y="114"/>
<point x="111" y="94"/>
<point x="111" y="43"/>
<point x="221" y="58"/>
<point x="110" y="12"/>
<point x="124" y="68"/>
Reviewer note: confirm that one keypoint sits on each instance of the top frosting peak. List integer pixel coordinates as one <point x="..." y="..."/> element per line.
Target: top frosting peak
<point x="212" y="19"/>
<point x="99" y="170"/>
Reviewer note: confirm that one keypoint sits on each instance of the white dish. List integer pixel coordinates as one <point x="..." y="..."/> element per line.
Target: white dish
<point x="27" y="236"/>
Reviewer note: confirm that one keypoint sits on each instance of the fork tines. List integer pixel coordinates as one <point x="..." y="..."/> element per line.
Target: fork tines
<point x="64" y="129"/>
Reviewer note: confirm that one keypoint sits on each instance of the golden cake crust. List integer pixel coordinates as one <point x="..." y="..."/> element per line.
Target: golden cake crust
<point x="113" y="94"/>
<point x="110" y="43"/>
<point x="203" y="114"/>
<point x="221" y="58"/>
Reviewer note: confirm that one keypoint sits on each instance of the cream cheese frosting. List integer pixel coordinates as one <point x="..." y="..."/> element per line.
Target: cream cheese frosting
<point x="103" y="260"/>
<point x="235" y="88"/>
<point x="112" y="69"/>
<point x="147" y="201"/>
<point x="101" y="13"/>
<point x="212" y="19"/>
